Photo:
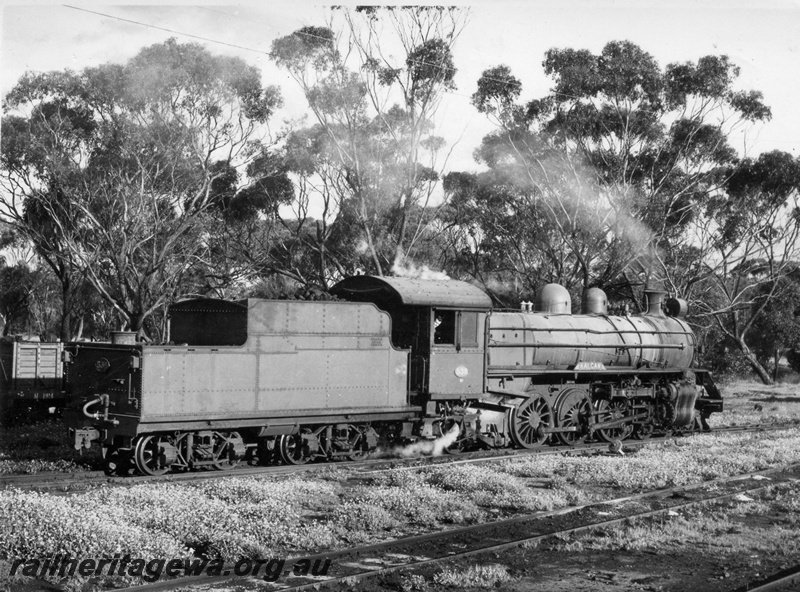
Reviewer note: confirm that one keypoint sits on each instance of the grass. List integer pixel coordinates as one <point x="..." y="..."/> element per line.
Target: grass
<point x="261" y="516"/>
<point x="692" y="459"/>
<point x="474" y="576"/>
<point x="748" y="402"/>
<point x="728" y="529"/>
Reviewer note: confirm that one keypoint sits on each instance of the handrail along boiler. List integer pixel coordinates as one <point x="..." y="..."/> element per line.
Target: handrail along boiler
<point x="390" y="361"/>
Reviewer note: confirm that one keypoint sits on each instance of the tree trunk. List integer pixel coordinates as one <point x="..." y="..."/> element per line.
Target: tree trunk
<point x="77" y="334"/>
<point x="751" y="357"/>
<point x="65" y="329"/>
<point x="778" y="356"/>
<point x="137" y="325"/>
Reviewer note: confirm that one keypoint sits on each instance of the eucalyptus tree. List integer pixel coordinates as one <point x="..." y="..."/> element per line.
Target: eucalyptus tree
<point x="38" y="148"/>
<point x="17" y="283"/>
<point x="611" y="165"/>
<point x="110" y="170"/>
<point x="740" y="265"/>
<point x="374" y="90"/>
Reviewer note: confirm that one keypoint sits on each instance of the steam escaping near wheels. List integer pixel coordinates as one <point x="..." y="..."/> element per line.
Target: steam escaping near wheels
<point x="435" y="447"/>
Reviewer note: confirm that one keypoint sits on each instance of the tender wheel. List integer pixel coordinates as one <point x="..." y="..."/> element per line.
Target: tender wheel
<point x="528" y="420"/>
<point x="573" y="410"/>
<point x="611" y="411"/>
<point x="291" y="450"/>
<point x="224" y="456"/>
<point x="356" y="439"/>
<point x="152" y="455"/>
<point x="359" y="442"/>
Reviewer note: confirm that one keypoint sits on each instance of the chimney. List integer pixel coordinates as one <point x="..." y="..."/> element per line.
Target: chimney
<point x="655" y="293"/>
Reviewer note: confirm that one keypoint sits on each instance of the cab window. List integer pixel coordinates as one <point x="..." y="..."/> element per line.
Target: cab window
<point x="444" y="327"/>
<point x="469" y="329"/>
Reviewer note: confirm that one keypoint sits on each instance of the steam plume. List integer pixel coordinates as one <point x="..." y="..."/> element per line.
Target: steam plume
<point x="406" y="269"/>
<point x="423" y="447"/>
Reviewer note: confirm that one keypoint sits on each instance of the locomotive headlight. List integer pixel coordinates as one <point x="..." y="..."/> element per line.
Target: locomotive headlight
<point x="462" y="371"/>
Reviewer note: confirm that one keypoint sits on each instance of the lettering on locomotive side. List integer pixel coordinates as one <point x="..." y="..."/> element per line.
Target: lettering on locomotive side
<point x="589" y="366"/>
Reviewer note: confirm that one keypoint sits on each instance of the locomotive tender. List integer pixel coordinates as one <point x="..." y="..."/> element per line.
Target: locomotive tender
<point x="393" y="360"/>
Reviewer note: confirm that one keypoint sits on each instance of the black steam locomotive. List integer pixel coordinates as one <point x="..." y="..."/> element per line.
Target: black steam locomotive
<point x="393" y="360"/>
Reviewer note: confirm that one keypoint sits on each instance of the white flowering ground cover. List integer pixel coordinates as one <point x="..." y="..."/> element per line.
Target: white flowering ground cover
<point x="261" y="517"/>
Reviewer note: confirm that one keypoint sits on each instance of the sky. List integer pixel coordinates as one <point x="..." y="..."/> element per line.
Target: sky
<point x="762" y="38"/>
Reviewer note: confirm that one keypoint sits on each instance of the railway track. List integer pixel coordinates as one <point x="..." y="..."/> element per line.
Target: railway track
<point x="80" y="481"/>
<point x="778" y="581"/>
<point x="411" y="553"/>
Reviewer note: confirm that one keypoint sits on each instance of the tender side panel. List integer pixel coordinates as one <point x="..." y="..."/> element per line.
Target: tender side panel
<point x="196" y="381"/>
<point x="299" y="357"/>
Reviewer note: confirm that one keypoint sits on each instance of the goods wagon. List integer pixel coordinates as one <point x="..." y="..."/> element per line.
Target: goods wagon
<point x="30" y="378"/>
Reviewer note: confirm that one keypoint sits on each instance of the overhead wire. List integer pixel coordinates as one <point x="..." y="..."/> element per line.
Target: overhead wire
<point x="245" y="48"/>
<point x="260" y="51"/>
<point x="131" y="21"/>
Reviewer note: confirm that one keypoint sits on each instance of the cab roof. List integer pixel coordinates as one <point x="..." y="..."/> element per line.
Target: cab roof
<point x="411" y="292"/>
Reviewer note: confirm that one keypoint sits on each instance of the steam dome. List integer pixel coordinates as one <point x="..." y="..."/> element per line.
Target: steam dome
<point x="553" y="299"/>
<point x="594" y="301"/>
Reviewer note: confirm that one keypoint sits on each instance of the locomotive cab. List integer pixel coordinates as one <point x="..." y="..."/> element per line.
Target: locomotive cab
<point x="442" y="322"/>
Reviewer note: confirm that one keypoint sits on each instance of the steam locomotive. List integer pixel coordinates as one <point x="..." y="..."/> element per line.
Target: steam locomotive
<point x="391" y="360"/>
